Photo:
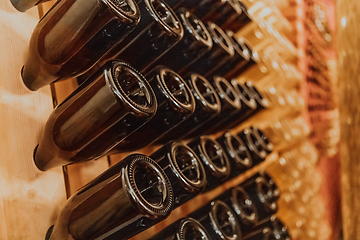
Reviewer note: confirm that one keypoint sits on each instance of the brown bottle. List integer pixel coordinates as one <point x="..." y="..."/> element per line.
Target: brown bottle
<point x="263" y="234"/>
<point x="175" y="104"/>
<point x="248" y="104"/>
<point x="214" y="159"/>
<point x="184" y="170"/>
<point x="222" y="13"/>
<point x="262" y="139"/>
<point x="233" y="66"/>
<point x="220" y="52"/>
<point x="24" y="5"/>
<point x="276" y="225"/>
<point x="219" y="220"/>
<point x="195" y="43"/>
<point x="238" y="21"/>
<point x="264" y="194"/>
<point x="242" y="204"/>
<point x="126" y="199"/>
<point x="183" y="229"/>
<point x="99" y="114"/>
<point x="262" y="102"/>
<point x="157" y="32"/>
<point x="73" y="36"/>
<point x="237" y="153"/>
<point x="229" y="104"/>
<point x="207" y="106"/>
<point x="258" y="153"/>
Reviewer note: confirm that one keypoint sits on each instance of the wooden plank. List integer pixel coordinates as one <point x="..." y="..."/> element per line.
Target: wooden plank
<point x="348" y="49"/>
<point x="29" y="199"/>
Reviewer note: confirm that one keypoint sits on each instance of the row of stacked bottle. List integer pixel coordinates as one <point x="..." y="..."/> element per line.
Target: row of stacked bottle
<point x="213" y="51"/>
<point x="140" y="191"/>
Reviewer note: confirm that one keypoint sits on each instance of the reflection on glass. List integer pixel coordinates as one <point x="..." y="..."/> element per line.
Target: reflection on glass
<point x="72" y="37"/>
<point x="97" y="116"/>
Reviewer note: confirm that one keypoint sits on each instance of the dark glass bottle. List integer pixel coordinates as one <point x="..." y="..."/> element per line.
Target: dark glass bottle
<point x="234" y="66"/>
<point x="258" y="154"/>
<point x="220" y="52"/>
<point x="263" y="234"/>
<point x="230" y="103"/>
<point x="175" y="104"/>
<point x="73" y="36"/>
<point x="222" y="13"/>
<point x="248" y="108"/>
<point x="262" y="102"/>
<point x="195" y="43"/>
<point x="264" y="195"/>
<point x="248" y="104"/>
<point x="253" y="61"/>
<point x="239" y="20"/>
<point x="183" y="229"/>
<point x="219" y="220"/>
<point x="262" y="139"/>
<point x="207" y="106"/>
<point x="242" y="204"/>
<point x="276" y="225"/>
<point x="205" y="6"/>
<point x="184" y="169"/>
<point x="175" y="4"/>
<point x="99" y="114"/>
<point x="214" y="159"/>
<point x="157" y="32"/>
<point x="237" y="153"/>
<point x="126" y="199"/>
<point x="24" y="5"/>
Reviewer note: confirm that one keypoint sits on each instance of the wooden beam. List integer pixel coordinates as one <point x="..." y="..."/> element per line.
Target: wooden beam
<point x="348" y="50"/>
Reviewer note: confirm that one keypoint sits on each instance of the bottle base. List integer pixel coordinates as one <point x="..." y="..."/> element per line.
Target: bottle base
<point x="49" y="232"/>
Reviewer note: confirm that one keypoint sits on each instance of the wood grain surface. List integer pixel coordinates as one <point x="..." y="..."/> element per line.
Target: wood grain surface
<point x="29" y="199"/>
<point x="348" y="49"/>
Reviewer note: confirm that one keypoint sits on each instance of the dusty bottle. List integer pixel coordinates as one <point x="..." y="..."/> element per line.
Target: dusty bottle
<point x="264" y="195"/>
<point x="242" y="204"/>
<point x="214" y="159"/>
<point x="219" y="220"/>
<point x="237" y="153"/>
<point x="220" y="52"/>
<point x="126" y="199"/>
<point x="184" y="170"/>
<point x="258" y="153"/>
<point x="230" y="103"/>
<point x="73" y="36"/>
<point x="207" y="106"/>
<point x="276" y="225"/>
<point x="175" y="104"/>
<point x="195" y="43"/>
<point x="157" y="32"/>
<point x="248" y="104"/>
<point x="183" y="229"/>
<point x="24" y="5"/>
<point x="99" y="114"/>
